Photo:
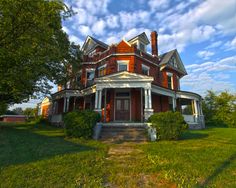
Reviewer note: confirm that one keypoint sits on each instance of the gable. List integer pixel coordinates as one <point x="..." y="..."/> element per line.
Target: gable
<point x="91" y="43"/>
<point x="172" y="60"/>
<point x="123" y="76"/>
<point x="141" y="37"/>
<point x="123" y="47"/>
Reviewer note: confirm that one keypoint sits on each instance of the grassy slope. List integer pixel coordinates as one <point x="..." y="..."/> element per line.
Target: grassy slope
<point x="39" y="156"/>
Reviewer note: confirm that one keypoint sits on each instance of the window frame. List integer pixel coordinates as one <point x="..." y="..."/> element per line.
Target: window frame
<point x="122" y="62"/>
<point x="104" y="67"/>
<point x="146" y="67"/>
<point x="171" y="77"/>
<point x="89" y="70"/>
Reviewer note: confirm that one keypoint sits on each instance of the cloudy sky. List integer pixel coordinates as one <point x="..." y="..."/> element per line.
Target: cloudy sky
<point x="203" y="32"/>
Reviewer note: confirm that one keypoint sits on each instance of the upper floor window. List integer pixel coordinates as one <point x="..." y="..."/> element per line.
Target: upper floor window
<point x="102" y="70"/>
<point x="170" y="80"/>
<point x="123" y="65"/>
<point x="145" y="69"/>
<point x="178" y="83"/>
<point x="142" y="47"/>
<point x="90" y="73"/>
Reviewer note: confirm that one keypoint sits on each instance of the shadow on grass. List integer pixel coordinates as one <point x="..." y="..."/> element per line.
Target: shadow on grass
<point x="218" y="170"/>
<point x="20" y="144"/>
<point x="193" y="135"/>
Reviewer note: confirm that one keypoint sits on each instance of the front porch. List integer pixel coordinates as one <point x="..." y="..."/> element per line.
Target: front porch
<point x="127" y="98"/>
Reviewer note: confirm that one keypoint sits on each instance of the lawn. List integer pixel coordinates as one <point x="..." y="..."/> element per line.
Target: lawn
<point x="40" y="156"/>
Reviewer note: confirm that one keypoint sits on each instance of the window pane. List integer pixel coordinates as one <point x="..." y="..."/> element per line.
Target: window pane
<point x="90" y="75"/>
<point x="126" y="105"/>
<point x="118" y="104"/>
<point x="122" y="67"/>
<point x="169" y="82"/>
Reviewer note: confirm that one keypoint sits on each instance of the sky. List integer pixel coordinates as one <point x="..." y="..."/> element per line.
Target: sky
<point x="203" y="32"/>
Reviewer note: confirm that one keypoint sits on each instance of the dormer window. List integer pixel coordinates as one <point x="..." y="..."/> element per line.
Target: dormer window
<point x="145" y="69"/>
<point x="142" y="47"/>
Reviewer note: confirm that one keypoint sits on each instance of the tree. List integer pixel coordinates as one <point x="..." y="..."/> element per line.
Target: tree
<point x="30" y="112"/>
<point x="18" y="111"/>
<point x="33" y="47"/>
<point x="220" y="109"/>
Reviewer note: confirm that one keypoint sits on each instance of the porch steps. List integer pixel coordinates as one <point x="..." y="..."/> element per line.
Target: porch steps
<point x="117" y="132"/>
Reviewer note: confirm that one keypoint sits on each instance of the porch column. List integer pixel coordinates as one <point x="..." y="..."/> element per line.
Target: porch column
<point x="195" y="110"/>
<point x="148" y="111"/>
<point x="174" y="103"/>
<point x="105" y="105"/>
<point x="67" y="103"/>
<point x="98" y="101"/>
<point x="146" y="98"/>
<point x="64" y="105"/>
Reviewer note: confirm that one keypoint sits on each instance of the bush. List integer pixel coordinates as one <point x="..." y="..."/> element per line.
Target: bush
<point x="169" y="125"/>
<point x="80" y="123"/>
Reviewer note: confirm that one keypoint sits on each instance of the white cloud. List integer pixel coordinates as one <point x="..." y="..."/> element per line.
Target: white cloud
<point x="99" y="27"/>
<point x="84" y="30"/>
<point x="231" y="45"/>
<point x="75" y="39"/>
<point x="210" y="75"/>
<point x="214" y="45"/>
<point x="158" y="4"/>
<point x="112" y="21"/>
<point x="205" y="54"/>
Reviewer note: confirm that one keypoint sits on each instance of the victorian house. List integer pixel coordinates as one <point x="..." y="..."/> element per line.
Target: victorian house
<point x="126" y="84"/>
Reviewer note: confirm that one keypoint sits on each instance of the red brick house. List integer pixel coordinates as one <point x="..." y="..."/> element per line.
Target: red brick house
<point x="125" y="83"/>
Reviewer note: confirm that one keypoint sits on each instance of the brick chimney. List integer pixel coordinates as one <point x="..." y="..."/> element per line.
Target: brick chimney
<point x="154" y="43"/>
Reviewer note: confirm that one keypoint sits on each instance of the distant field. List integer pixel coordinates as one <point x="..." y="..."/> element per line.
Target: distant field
<point x="40" y="156"/>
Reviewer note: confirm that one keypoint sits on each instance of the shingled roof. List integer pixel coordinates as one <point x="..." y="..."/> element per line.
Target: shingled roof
<point x="164" y="58"/>
<point x="99" y="42"/>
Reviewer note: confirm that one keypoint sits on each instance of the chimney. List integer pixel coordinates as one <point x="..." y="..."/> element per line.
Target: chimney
<point x="154" y="43"/>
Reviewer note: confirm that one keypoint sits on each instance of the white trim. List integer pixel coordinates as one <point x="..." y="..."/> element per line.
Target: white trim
<point x="125" y="42"/>
<point x="122" y="62"/>
<point x="102" y="66"/>
<point x="146" y="67"/>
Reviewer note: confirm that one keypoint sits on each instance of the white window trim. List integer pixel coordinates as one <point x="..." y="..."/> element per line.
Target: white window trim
<point x="123" y="62"/>
<point x="146" y="67"/>
<point x="102" y="66"/>
<point x="90" y="70"/>
<point x="172" y="81"/>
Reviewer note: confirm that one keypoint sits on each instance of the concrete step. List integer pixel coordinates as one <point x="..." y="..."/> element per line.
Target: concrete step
<point x="123" y="133"/>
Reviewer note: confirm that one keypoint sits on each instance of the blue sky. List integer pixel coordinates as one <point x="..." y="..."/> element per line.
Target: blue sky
<point x="203" y="32"/>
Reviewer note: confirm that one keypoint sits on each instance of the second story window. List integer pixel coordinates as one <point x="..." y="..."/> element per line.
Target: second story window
<point x="145" y="69"/>
<point x="177" y="81"/>
<point x="123" y="65"/>
<point x="90" y="73"/>
<point x="102" y="70"/>
<point x="170" y="80"/>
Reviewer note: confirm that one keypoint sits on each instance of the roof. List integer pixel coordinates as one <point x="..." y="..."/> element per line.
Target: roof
<point x="99" y="42"/>
<point x="164" y="58"/>
<point x="142" y="36"/>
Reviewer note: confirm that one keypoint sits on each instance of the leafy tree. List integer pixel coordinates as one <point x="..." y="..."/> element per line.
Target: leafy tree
<point x="33" y="47"/>
<point x="220" y="109"/>
<point x="18" y="111"/>
<point x="3" y="108"/>
<point x="30" y="112"/>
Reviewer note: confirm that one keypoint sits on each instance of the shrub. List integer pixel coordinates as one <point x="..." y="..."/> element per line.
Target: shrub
<point x="169" y="125"/>
<point x="80" y="123"/>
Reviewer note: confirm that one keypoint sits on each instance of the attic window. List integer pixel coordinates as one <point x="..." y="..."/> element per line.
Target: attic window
<point x="142" y="47"/>
<point x="173" y="62"/>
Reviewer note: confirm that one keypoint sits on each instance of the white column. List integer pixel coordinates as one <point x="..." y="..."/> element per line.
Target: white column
<point x="67" y="103"/>
<point x="96" y="99"/>
<point x="149" y="98"/>
<point x="105" y="105"/>
<point x="99" y="99"/>
<point x="146" y="98"/>
<point x="195" y="107"/>
<point x="174" y="103"/>
<point x="64" y="105"/>
<point x="141" y="100"/>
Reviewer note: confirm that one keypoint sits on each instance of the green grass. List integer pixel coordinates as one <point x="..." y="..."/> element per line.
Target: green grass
<point x="40" y="156"/>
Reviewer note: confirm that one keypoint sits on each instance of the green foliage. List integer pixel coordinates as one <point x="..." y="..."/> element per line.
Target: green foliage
<point x="169" y="125"/>
<point x="3" y="107"/>
<point x="220" y="110"/>
<point x="33" y="47"/>
<point x="18" y="111"/>
<point x="80" y="123"/>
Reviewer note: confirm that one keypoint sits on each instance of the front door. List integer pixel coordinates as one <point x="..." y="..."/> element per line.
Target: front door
<point x="122" y="110"/>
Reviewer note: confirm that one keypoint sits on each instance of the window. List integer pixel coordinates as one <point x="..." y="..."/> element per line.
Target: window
<point x="78" y="78"/>
<point x="170" y="80"/>
<point x="142" y="47"/>
<point x="173" y="62"/>
<point x="177" y="81"/>
<point x="102" y="70"/>
<point x="123" y="65"/>
<point x="90" y="76"/>
<point x="170" y="101"/>
<point x="145" y="69"/>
